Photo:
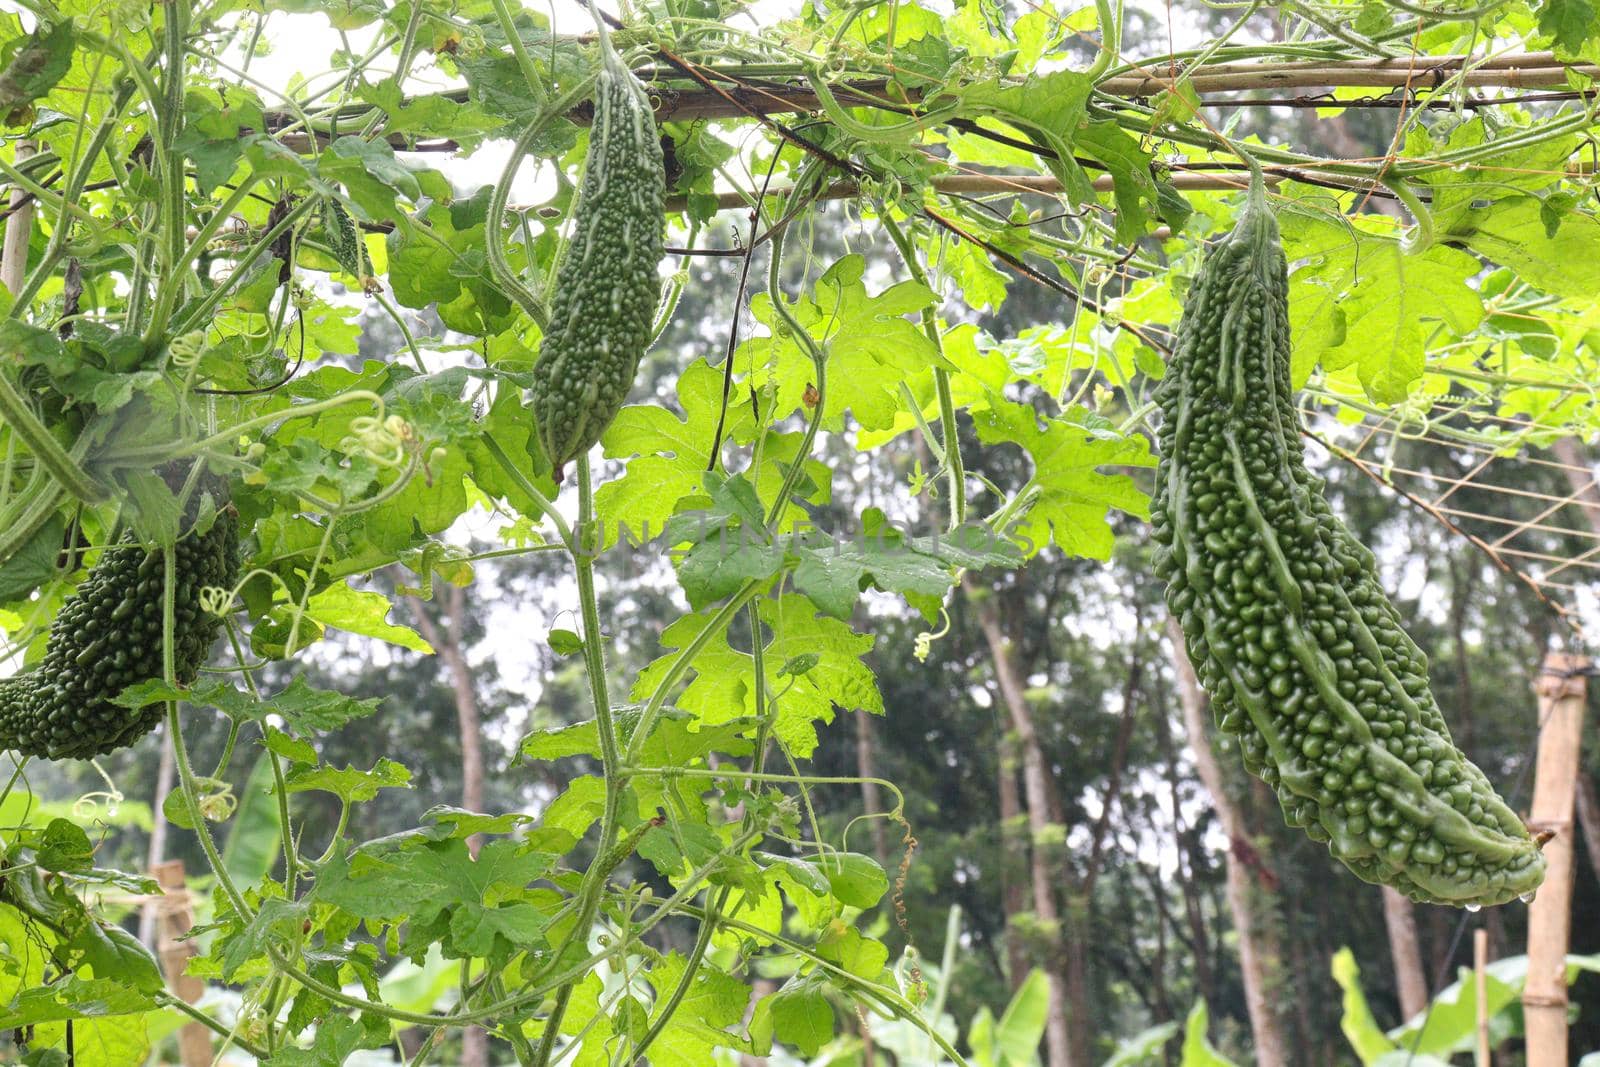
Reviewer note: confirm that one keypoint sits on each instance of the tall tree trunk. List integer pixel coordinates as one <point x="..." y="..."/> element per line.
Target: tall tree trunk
<point x="1193" y="914"/>
<point x="1580" y="476"/>
<point x="1258" y="963"/>
<point x="1404" y="949"/>
<point x="446" y="641"/>
<point x="1013" y="860"/>
<point x="1066" y="1023"/>
<point x="1462" y="583"/>
<point x="866" y="770"/>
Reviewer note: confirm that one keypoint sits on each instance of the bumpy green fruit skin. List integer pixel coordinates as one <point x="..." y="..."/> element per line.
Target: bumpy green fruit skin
<point x="1303" y="654"/>
<point x="107" y="637"/>
<point x="606" y="286"/>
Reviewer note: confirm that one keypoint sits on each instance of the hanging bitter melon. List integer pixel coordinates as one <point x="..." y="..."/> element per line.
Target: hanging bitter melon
<point x="1303" y="654"/>
<point x="107" y="636"/>
<point x="607" y="285"/>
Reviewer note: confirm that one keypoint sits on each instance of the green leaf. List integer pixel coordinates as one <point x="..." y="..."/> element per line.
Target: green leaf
<point x="338" y="1038"/>
<point x="305" y="710"/>
<point x="1021" y="1027"/>
<point x="715" y="1001"/>
<point x="1359" y="1027"/>
<point x="832" y="572"/>
<point x="34" y="563"/>
<point x="369" y="170"/>
<point x="437" y="258"/>
<point x="1449" y="1024"/>
<point x="255" y="835"/>
<point x="1052" y="106"/>
<point x="348" y="783"/>
<point x="869" y="344"/>
<point x="1516" y="232"/>
<point x="855" y="879"/>
<point x="1359" y="300"/>
<point x="1197" y="1050"/>
<point x="474" y="903"/>
<point x="34" y="65"/>
<point x="682" y="845"/>
<point x="798" y="1015"/>
<point x="1570" y="24"/>
<point x="729" y="541"/>
<point x="63" y="846"/>
<point x="720" y="688"/>
<point x="1129" y="166"/>
<point x="365" y="613"/>
<point x="276" y="924"/>
<point x="863" y="957"/>
<point x="1074" y="499"/>
<point x="1143" y="1048"/>
<point x="578" y="807"/>
<point x="980" y="1037"/>
<point x="565" y="643"/>
<point x="73" y="998"/>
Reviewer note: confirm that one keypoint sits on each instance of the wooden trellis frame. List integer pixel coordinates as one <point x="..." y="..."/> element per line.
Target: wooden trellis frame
<point x="1554" y="578"/>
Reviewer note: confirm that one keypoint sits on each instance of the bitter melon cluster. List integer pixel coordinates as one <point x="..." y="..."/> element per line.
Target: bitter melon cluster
<point x="1304" y="656"/>
<point x="606" y="286"/>
<point x="107" y="636"/>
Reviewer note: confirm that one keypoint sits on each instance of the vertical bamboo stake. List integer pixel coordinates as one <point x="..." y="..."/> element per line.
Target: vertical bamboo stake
<point x="1480" y="964"/>
<point x="1562" y="690"/>
<point x="194" y="1040"/>
<point x="19" y="228"/>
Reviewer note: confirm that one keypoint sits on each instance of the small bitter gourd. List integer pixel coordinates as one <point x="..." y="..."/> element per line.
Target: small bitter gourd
<point x="1304" y="656"/>
<point x="107" y="636"/>
<point x="606" y="286"/>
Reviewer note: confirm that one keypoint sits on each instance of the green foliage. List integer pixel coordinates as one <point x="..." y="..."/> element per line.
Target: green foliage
<point x="1449" y="1024"/>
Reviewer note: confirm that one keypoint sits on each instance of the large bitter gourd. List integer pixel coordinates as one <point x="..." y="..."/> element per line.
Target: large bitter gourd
<point x="607" y="286"/>
<point x="1304" y="656"/>
<point x="107" y="636"/>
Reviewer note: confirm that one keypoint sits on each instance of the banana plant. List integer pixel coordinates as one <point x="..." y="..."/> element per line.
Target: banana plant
<point x="1449" y="1024"/>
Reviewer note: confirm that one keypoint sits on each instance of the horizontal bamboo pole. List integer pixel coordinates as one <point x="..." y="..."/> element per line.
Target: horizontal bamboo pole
<point x="739" y="98"/>
<point x="981" y="184"/>
<point x="1418" y="76"/>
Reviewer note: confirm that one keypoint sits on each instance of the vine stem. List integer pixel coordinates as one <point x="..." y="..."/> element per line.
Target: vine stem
<point x="1422" y="238"/>
<point x="819" y="359"/>
<point x="203" y="311"/>
<point x="894" y="1002"/>
<point x="494" y="224"/>
<point x="714" y="908"/>
<point x="1110" y="39"/>
<point x="180" y="751"/>
<point x="166" y="292"/>
<point x="593" y="887"/>
<point x="180" y="1005"/>
<point x="534" y="993"/>
<point x="949" y="431"/>
<point x="523" y="482"/>
<point x="685" y="658"/>
<point x="169" y="117"/>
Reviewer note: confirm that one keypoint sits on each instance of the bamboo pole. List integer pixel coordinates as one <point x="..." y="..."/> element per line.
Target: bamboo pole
<point x="1562" y="691"/>
<point x="177" y="919"/>
<point x="738" y="95"/>
<point x="981" y="184"/>
<point x="1480" y="974"/>
<point x="19" y="229"/>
